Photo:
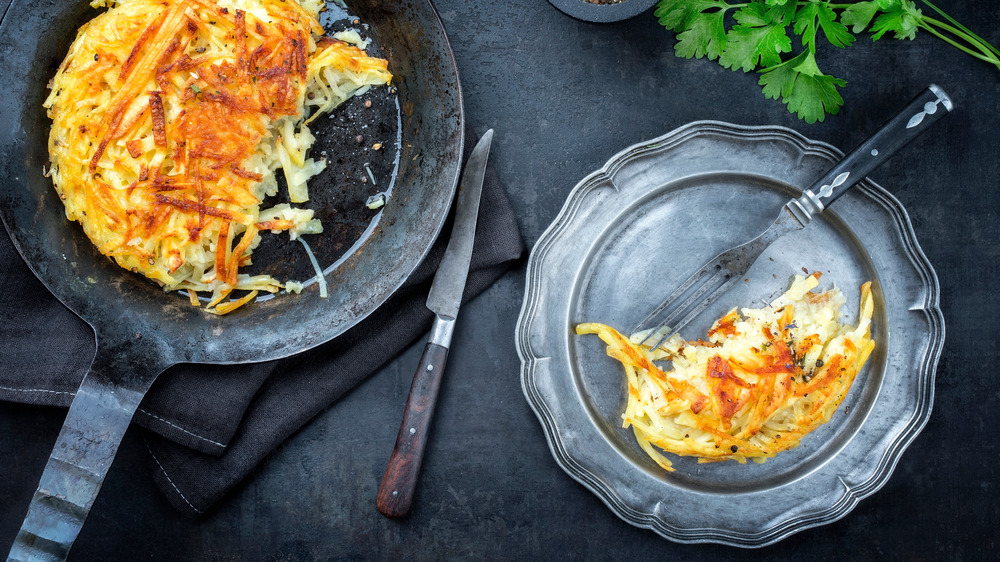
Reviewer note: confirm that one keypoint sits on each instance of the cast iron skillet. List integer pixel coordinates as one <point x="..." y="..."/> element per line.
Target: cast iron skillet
<point x="140" y="330"/>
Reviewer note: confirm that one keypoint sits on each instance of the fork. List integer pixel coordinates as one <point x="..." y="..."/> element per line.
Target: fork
<point x="717" y="276"/>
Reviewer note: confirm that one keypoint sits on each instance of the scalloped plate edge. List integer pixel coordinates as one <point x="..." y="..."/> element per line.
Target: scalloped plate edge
<point x="530" y="359"/>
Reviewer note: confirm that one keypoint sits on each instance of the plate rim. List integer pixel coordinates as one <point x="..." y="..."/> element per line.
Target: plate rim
<point x="838" y="507"/>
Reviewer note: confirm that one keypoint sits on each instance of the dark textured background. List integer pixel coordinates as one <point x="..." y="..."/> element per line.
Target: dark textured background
<point x="564" y="96"/>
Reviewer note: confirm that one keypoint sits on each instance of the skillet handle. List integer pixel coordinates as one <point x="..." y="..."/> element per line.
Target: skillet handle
<point x="94" y="426"/>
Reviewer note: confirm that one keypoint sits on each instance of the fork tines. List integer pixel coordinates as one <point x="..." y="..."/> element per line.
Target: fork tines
<point x="688" y="301"/>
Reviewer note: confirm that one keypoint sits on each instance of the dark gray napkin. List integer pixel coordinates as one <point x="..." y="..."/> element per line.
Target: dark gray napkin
<point x="211" y="425"/>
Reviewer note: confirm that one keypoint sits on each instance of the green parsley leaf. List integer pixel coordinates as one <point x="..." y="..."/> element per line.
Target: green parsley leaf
<point x="807" y="65"/>
<point x="815" y="15"/>
<point x="805" y="24"/>
<point x="705" y="37"/>
<point x="699" y="24"/>
<point x="859" y="15"/>
<point x="678" y="15"/>
<point x="759" y="39"/>
<point x="813" y="97"/>
<point x="801" y="86"/>
<point x="778" y="81"/>
<point x="756" y="15"/>
<point x="836" y="33"/>
<point x="901" y="17"/>
<point x="756" y="38"/>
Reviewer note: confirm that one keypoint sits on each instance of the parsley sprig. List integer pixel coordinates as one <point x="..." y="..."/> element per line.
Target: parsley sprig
<point x="754" y="36"/>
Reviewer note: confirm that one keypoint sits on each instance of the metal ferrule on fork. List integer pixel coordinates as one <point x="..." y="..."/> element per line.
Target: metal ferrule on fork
<point x="805" y="207"/>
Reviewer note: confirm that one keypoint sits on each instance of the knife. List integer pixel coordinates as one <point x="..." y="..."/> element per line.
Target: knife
<point x="400" y="480"/>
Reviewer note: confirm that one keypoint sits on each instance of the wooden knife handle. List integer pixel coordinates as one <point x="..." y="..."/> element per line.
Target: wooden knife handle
<point x="396" y="492"/>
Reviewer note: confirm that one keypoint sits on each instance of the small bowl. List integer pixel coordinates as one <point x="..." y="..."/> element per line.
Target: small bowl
<point x="603" y="13"/>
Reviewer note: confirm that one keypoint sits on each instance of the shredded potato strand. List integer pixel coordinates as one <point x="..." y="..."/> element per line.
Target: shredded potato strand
<point x="755" y="388"/>
<point x="170" y="119"/>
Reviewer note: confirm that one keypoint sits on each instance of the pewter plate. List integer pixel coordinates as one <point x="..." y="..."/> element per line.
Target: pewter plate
<point x="629" y="233"/>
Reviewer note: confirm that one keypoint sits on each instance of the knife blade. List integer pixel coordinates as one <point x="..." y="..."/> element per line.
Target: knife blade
<point x="395" y="494"/>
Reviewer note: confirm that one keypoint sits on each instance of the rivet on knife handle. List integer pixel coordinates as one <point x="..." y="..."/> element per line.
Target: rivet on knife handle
<point x="395" y="494"/>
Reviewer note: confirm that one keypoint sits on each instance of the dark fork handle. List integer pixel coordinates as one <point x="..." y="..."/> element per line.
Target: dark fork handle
<point x="907" y="125"/>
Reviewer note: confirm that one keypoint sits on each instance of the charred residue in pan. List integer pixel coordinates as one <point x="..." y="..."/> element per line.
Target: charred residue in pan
<point x="360" y="142"/>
